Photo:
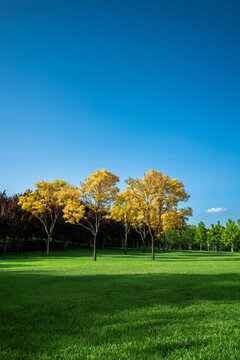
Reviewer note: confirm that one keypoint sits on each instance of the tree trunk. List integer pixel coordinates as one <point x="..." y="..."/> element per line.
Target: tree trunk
<point x="91" y="243"/>
<point x="200" y="246"/>
<point x="189" y="246"/>
<point x="125" y="241"/>
<point x="180" y="247"/>
<point x="48" y="244"/>
<point x="232" y="250"/>
<point x="153" y="249"/>
<point x="144" y="245"/>
<point x="94" y="247"/>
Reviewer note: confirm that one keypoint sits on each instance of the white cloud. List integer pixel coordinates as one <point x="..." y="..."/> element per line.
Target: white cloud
<point x="216" y="210"/>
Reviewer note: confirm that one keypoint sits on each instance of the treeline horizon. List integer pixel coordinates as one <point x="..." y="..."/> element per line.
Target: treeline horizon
<point x="97" y="215"/>
<point x="21" y="231"/>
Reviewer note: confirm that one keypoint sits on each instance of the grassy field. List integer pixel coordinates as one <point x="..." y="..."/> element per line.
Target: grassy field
<point x="185" y="305"/>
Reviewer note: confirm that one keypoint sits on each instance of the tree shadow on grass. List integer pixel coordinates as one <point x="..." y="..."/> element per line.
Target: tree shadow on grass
<point x="40" y="255"/>
<point x="42" y="314"/>
<point x="15" y="265"/>
<point x="170" y="256"/>
<point x="136" y="254"/>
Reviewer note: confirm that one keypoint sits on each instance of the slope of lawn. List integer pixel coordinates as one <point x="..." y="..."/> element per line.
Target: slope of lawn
<point x="185" y="305"/>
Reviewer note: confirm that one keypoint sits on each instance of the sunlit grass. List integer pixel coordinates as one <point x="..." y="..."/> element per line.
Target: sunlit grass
<point x="185" y="305"/>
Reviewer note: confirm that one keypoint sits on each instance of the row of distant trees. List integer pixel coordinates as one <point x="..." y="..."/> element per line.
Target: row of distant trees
<point x="217" y="237"/>
<point x="146" y="213"/>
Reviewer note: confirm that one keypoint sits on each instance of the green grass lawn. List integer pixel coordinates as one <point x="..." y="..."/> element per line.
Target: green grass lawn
<point x="185" y="305"/>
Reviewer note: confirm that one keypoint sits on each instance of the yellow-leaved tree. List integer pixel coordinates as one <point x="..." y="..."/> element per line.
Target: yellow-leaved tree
<point x="174" y="219"/>
<point x="170" y="220"/>
<point x="46" y="203"/>
<point x="97" y="194"/>
<point x="122" y="211"/>
<point x="154" y="196"/>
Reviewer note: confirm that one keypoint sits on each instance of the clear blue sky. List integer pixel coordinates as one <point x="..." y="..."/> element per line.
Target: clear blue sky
<point x="124" y="85"/>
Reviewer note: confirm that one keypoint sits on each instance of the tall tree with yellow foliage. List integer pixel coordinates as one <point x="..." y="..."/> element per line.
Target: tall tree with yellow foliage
<point x="97" y="193"/>
<point x="155" y="196"/>
<point x="46" y="204"/>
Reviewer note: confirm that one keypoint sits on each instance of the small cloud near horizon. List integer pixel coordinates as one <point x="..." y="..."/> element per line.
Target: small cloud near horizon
<point x="216" y="210"/>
